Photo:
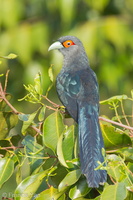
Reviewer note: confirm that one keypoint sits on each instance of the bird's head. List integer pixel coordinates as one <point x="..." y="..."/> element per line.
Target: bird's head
<point x="68" y="46"/>
<point x="72" y="49"/>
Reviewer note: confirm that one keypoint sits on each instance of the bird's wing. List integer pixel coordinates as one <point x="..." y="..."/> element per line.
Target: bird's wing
<point x="74" y="87"/>
<point x="68" y="88"/>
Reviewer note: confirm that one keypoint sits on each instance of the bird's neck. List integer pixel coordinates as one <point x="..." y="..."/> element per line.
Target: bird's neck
<point x="77" y="62"/>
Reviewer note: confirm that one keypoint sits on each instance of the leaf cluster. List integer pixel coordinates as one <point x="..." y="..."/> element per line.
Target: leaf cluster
<point x="43" y="155"/>
<point x="104" y="27"/>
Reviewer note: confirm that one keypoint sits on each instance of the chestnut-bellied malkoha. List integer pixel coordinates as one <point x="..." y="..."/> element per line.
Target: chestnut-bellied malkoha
<point x="77" y="89"/>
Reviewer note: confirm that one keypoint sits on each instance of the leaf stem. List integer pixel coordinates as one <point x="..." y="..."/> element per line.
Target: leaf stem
<point x="116" y="113"/>
<point x="6" y="80"/>
<point x="123" y="111"/>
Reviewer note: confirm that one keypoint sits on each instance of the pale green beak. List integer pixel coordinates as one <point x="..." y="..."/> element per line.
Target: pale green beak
<point x="55" y="45"/>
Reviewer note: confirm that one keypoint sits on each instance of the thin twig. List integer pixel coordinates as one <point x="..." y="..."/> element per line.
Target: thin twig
<point x="123" y="111"/>
<point x="12" y="147"/>
<point x="112" y="179"/>
<point x="116" y="113"/>
<point x="111" y="151"/>
<point x="54" y="104"/>
<point x="2" y="95"/>
<point x="36" y="129"/>
<point x="6" y="80"/>
<point x="116" y="123"/>
<point x="51" y="108"/>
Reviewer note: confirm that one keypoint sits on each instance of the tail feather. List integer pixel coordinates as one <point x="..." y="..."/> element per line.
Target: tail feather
<point x="90" y="144"/>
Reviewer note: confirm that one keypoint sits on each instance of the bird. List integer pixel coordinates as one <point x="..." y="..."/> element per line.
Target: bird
<point x="78" y="91"/>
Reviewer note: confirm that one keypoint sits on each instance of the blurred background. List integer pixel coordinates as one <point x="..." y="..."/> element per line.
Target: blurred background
<point x="28" y="27"/>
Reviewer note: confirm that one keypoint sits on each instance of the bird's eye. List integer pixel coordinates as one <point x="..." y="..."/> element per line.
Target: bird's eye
<point x="68" y="43"/>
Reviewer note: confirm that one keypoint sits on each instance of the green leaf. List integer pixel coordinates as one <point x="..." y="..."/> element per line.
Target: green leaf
<point x="59" y="174"/>
<point x="18" y="169"/>
<point x="97" y="198"/>
<point x="51" y="158"/>
<point x="51" y="193"/>
<point x="63" y="197"/>
<point x="66" y="141"/>
<point x="132" y="93"/>
<point x="51" y="76"/>
<point x="42" y="113"/>
<point x="34" y="91"/>
<point x="38" y="86"/>
<point x="114" y="99"/>
<point x="71" y="178"/>
<point x="6" y="169"/>
<point x="24" y="117"/>
<point x="126" y="153"/>
<point x="27" y="122"/>
<point x="3" y="103"/>
<point x="113" y="137"/>
<point x="116" y="168"/>
<point x="10" y="56"/>
<point x="130" y="170"/>
<point x="8" y="120"/>
<point x="4" y="143"/>
<point x="130" y="194"/>
<point x="79" y="190"/>
<point x="34" y="152"/>
<point x="15" y="139"/>
<point x="52" y="129"/>
<point x="27" y="188"/>
<point x="50" y="73"/>
<point x="114" y="192"/>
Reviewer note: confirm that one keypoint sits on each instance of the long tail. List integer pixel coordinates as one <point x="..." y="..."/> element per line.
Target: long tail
<point x="91" y="144"/>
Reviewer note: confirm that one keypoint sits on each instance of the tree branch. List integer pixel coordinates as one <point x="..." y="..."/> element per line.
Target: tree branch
<point x="116" y="123"/>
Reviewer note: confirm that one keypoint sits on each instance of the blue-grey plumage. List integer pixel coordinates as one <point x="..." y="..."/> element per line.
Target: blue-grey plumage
<point x="91" y="144"/>
<point x="77" y="89"/>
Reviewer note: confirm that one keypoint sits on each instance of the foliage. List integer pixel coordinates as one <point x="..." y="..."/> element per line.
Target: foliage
<point x="104" y="27"/>
<point x="47" y="150"/>
<point x="34" y="163"/>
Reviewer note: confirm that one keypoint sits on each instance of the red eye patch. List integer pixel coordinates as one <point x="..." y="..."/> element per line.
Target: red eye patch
<point x="68" y="43"/>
